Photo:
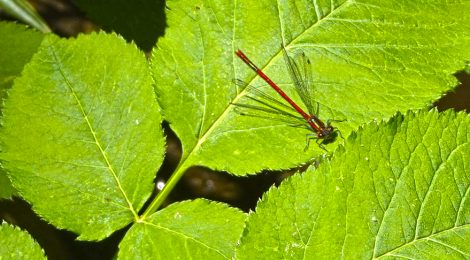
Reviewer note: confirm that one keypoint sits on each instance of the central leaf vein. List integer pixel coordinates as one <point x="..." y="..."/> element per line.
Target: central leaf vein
<point x="93" y="133"/>
<point x="186" y="237"/>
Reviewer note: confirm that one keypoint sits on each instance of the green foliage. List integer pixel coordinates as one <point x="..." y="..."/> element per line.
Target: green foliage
<point x="81" y="133"/>
<point x="370" y="59"/>
<point x="198" y="230"/>
<point x="6" y="190"/>
<point x="17" y="45"/>
<point x="396" y="190"/>
<point x="17" y="244"/>
<point x="82" y="129"/>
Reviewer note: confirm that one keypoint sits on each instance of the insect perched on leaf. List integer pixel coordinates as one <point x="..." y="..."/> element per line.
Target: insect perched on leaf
<point x="300" y="73"/>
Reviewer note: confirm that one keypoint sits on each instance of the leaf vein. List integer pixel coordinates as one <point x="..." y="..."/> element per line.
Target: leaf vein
<point x="186" y="237"/>
<point x="90" y="127"/>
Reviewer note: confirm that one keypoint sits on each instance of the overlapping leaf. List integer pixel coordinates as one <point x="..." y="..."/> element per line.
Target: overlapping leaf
<point x="81" y="134"/>
<point x="399" y="190"/>
<point x="17" y="45"/>
<point x="17" y="244"/>
<point x="369" y="58"/>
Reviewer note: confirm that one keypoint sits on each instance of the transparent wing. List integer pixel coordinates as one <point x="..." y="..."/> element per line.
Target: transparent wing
<point x="300" y="71"/>
<point x="262" y="105"/>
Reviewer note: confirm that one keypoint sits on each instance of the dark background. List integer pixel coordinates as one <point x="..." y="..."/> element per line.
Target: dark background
<point x="69" y="18"/>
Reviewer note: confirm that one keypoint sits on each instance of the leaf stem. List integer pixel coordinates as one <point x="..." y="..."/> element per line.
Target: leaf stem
<point x="163" y="194"/>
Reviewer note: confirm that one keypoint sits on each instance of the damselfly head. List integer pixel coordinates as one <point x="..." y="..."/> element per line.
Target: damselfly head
<point x="327" y="134"/>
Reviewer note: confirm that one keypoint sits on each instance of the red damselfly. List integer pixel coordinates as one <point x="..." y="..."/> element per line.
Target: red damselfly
<point x="300" y="73"/>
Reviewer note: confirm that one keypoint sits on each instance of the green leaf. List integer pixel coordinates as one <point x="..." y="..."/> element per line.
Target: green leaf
<point x="369" y="60"/>
<point x="81" y="134"/>
<point x="142" y="21"/>
<point x="25" y="12"/>
<point x="17" y="244"/>
<point x="6" y="190"/>
<point x="192" y="230"/>
<point x="17" y="45"/>
<point x="397" y="190"/>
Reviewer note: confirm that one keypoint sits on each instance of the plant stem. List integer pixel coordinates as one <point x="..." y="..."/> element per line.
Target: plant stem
<point x="163" y="194"/>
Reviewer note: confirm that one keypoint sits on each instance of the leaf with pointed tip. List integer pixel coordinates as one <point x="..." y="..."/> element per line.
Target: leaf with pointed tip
<point x="81" y="129"/>
<point x="369" y="59"/>
<point x="17" y="244"/>
<point x="397" y="190"/>
<point x="192" y="229"/>
<point x="17" y="46"/>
